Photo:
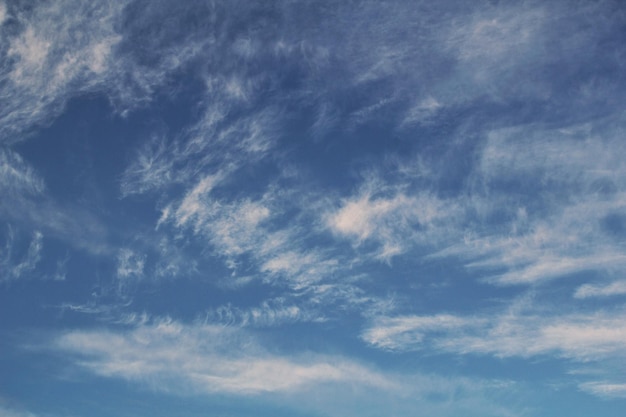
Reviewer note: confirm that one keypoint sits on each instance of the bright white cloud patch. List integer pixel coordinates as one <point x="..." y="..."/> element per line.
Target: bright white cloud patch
<point x="395" y="223"/>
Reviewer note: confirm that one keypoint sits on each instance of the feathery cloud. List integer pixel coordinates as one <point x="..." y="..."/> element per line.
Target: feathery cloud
<point x="582" y="337"/>
<point x="25" y="265"/>
<point x="606" y="290"/>
<point x="171" y="356"/>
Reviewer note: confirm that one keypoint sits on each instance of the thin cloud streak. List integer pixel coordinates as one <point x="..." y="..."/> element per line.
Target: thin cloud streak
<point x="590" y="338"/>
<point x="582" y="337"/>
<point x="171" y="356"/>
<point x="270" y="313"/>
<point x="605" y="389"/>
<point x="607" y="290"/>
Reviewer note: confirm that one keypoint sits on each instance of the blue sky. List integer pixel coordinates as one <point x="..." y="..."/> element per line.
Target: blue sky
<point x="312" y="208"/>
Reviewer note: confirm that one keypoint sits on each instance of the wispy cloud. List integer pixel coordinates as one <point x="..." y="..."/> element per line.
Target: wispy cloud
<point x="582" y="337"/>
<point x="214" y="146"/>
<point x="171" y="356"/>
<point x="249" y="234"/>
<point x="202" y="359"/>
<point x="15" y="266"/>
<point x="45" y="63"/>
<point x="3" y="12"/>
<point x="592" y="338"/>
<point x="151" y="169"/>
<point x="273" y="312"/>
<point x="406" y="332"/>
<point x="29" y="206"/>
<point x="394" y="222"/>
<point x="71" y="223"/>
<point x="17" y="176"/>
<point x="31" y="258"/>
<point x="29" y="203"/>
<point x="599" y="290"/>
<point x="546" y="203"/>
<point x="605" y="389"/>
<point x="130" y="269"/>
<point x="403" y="215"/>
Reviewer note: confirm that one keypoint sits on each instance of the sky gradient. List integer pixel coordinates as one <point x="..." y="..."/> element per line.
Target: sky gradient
<point x="312" y="208"/>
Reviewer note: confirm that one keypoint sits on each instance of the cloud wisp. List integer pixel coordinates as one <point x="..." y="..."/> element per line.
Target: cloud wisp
<point x="589" y="338"/>
<point x="205" y="360"/>
<point x="580" y="336"/>
<point x="601" y="290"/>
<point x="15" y="266"/>
<point x="171" y="356"/>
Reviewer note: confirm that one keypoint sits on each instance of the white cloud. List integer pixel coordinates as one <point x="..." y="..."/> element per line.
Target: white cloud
<point x="69" y="222"/>
<point x="302" y="267"/>
<point x="424" y="110"/>
<point x="28" y="202"/>
<point x="605" y="389"/>
<point x="409" y="331"/>
<point x="212" y="147"/>
<point x="129" y="263"/>
<point x="192" y="205"/>
<point x="270" y="313"/>
<point x="174" y="357"/>
<point x="582" y="337"/>
<point x="151" y="169"/>
<point x="606" y="290"/>
<point x="546" y="203"/>
<point x="172" y="260"/>
<point x="130" y="269"/>
<point x="24" y="265"/>
<point x="555" y="156"/>
<point x="31" y="51"/>
<point x="32" y="257"/>
<point x="17" y="176"/>
<point x="3" y="13"/>
<point x="492" y="35"/>
<point x="46" y="62"/>
<point x="202" y="359"/>
<point x="54" y="55"/>
<point x="249" y="233"/>
<point x="198" y="359"/>
<point x="394" y="222"/>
